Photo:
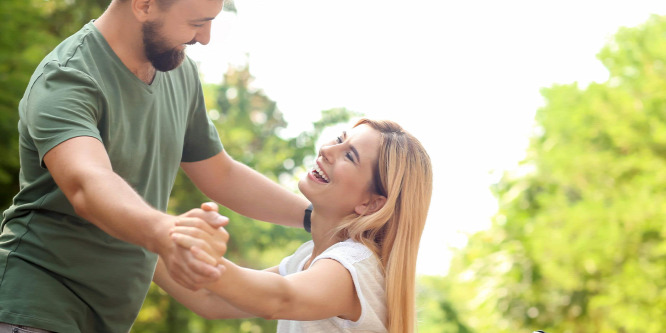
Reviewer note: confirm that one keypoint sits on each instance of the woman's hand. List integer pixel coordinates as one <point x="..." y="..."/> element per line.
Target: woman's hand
<point x="207" y="240"/>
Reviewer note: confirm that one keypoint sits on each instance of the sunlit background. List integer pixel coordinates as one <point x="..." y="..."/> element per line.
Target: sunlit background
<point x="463" y="76"/>
<point x="575" y="240"/>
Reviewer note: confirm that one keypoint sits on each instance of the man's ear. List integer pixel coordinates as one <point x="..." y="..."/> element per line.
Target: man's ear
<point x="142" y="9"/>
<point x="375" y="203"/>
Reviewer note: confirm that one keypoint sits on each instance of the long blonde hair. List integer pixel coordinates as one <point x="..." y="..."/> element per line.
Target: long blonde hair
<point x="403" y="174"/>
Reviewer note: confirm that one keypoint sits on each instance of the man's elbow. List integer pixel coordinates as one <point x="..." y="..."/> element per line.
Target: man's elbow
<point x="78" y="201"/>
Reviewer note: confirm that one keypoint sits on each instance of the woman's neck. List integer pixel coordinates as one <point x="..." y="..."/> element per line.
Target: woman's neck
<point x="323" y="234"/>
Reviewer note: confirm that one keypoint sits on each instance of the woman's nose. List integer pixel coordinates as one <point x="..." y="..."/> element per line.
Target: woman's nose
<point x="328" y="152"/>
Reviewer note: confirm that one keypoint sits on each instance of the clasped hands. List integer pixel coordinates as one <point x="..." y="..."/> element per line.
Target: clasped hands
<point x="199" y="242"/>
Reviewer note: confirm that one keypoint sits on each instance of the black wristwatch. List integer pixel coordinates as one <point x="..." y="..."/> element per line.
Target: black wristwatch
<point x="307" y="224"/>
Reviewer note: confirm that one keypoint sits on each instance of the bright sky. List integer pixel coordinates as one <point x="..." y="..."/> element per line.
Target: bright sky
<point x="463" y="76"/>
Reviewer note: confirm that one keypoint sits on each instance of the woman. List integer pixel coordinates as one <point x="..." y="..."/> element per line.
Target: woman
<point x="370" y="190"/>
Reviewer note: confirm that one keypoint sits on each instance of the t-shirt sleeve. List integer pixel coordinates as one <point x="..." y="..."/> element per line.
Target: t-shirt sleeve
<point x="283" y="265"/>
<point x="292" y="263"/>
<point x="63" y="103"/>
<point x="201" y="138"/>
<point x="348" y="254"/>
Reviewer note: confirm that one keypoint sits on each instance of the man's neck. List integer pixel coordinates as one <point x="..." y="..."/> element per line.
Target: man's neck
<point x="123" y="34"/>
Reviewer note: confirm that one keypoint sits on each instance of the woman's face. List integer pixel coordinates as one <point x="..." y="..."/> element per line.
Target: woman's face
<point x="342" y="175"/>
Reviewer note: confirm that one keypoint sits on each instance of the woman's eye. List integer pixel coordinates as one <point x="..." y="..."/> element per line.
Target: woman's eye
<point x="339" y="139"/>
<point x="349" y="156"/>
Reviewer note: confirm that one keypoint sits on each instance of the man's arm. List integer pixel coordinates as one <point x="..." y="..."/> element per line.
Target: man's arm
<point x="246" y="191"/>
<point x="82" y="170"/>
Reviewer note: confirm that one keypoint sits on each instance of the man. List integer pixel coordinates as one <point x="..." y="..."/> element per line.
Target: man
<point x="106" y="121"/>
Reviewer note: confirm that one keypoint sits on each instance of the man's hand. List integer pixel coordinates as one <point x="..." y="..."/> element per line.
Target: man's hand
<point x="199" y="236"/>
<point x="200" y="232"/>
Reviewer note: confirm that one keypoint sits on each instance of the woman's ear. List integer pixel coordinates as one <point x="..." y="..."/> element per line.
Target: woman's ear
<point x="375" y="203"/>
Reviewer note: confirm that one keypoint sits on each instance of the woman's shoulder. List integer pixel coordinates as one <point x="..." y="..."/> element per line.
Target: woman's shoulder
<point x="294" y="262"/>
<point x="349" y="251"/>
<point x="303" y="251"/>
<point x="369" y="282"/>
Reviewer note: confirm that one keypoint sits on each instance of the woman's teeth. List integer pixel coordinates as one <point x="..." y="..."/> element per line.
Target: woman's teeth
<point x="320" y="174"/>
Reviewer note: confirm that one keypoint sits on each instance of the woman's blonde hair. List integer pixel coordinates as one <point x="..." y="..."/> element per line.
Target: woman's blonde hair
<point x="403" y="174"/>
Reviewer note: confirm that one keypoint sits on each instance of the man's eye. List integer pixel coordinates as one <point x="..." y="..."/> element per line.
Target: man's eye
<point x="197" y="25"/>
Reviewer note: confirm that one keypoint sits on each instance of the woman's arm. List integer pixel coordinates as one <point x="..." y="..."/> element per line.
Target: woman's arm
<point x="202" y="302"/>
<point x="324" y="290"/>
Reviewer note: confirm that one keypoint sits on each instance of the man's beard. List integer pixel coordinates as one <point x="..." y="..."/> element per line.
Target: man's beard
<point x="158" y="53"/>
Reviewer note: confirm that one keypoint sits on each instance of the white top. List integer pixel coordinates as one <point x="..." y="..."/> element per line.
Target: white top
<point x="368" y="277"/>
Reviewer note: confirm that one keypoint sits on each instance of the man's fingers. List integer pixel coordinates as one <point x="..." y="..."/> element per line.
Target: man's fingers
<point x="217" y="220"/>
<point x="209" y="207"/>
<point x="208" y="215"/>
<point x="192" y="231"/>
<point x="196" y="223"/>
<point x="191" y="272"/>
<point x="187" y="241"/>
<point x="217" y="240"/>
<point x="203" y="273"/>
<point x="182" y="240"/>
<point x="193" y="281"/>
<point x="203" y="256"/>
<point x="214" y="249"/>
<point x="181" y="274"/>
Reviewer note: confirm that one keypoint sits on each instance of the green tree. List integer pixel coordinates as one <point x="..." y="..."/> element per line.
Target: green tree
<point x="436" y="310"/>
<point x="30" y="29"/>
<point x="578" y="242"/>
<point x="249" y="124"/>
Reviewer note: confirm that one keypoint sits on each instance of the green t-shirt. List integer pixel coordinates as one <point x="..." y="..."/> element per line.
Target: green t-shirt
<point x="58" y="271"/>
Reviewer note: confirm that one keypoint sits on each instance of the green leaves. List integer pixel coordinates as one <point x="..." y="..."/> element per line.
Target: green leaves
<point x="30" y="30"/>
<point x="578" y="242"/>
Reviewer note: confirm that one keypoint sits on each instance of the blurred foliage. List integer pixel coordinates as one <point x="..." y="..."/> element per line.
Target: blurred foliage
<point x="435" y="311"/>
<point x="30" y="29"/>
<point x="578" y="242"/>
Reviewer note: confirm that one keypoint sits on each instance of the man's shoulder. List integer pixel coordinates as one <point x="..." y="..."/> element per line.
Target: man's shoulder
<point x="70" y="47"/>
<point x="62" y="59"/>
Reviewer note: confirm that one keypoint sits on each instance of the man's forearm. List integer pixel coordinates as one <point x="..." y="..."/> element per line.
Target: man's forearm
<point x="260" y="198"/>
<point x="112" y="205"/>
<point x="246" y="191"/>
<point x="82" y="170"/>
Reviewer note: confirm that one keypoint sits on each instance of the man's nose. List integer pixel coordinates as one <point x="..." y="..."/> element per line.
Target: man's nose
<point x="203" y="36"/>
